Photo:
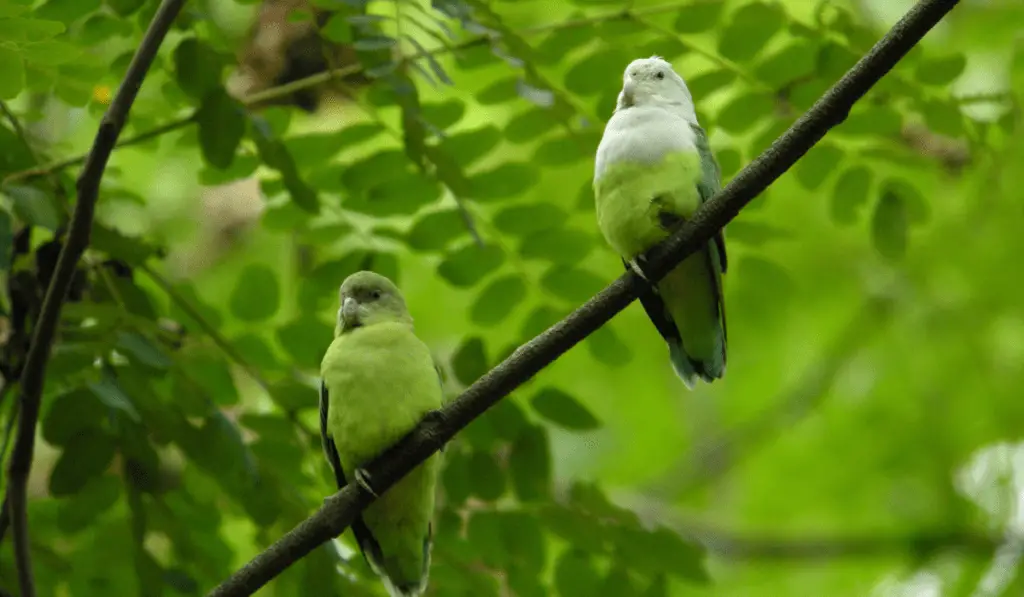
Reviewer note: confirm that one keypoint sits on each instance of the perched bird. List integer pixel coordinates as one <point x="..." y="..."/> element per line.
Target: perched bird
<point x="653" y="170"/>
<point x="377" y="381"/>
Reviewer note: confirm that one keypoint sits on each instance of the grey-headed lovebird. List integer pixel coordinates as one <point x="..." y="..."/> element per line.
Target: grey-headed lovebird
<point x="653" y="169"/>
<point x="377" y="381"/>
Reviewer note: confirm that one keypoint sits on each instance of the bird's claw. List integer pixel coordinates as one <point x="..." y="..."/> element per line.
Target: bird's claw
<point x="634" y="264"/>
<point x="363" y="480"/>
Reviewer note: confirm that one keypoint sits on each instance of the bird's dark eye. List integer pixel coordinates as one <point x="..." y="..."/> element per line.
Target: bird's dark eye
<point x="660" y="75"/>
<point x="375" y="294"/>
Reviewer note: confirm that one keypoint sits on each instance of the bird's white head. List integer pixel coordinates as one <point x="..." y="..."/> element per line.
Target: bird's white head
<point x="652" y="81"/>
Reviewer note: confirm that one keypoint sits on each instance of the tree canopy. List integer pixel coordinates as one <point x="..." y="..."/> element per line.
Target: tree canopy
<point x="861" y="442"/>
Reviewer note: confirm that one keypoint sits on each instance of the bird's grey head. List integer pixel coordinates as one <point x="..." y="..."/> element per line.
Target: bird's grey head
<point x="366" y="298"/>
<point x="652" y="81"/>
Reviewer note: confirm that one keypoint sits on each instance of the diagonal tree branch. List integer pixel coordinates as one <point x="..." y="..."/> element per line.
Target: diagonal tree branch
<point x="88" y="186"/>
<point x="339" y="509"/>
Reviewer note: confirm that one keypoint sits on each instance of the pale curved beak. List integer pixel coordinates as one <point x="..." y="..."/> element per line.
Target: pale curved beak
<point x="350" y="312"/>
<point x="628" y="91"/>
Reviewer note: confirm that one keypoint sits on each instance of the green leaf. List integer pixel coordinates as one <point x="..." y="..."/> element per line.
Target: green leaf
<point x="442" y="115"/>
<point x="850" y="195"/>
<point x="141" y="350"/>
<point x="436" y="230"/>
<point x="509" y="180"/>
<point x="589" y="76"/>
<point x="606" y="346"/>
<point x="488" y="478"/>
<point x="499" y="92"/>
<point x="917" y="208"/>
<point x="709" y="82"/>
<point x="529" y="464"/>
<point x="941" y="70"/>
<point x="661" y="551"/>
<point x="71" y="413"/>
<point x="402" y="193"/>
<point x="562" y="151"/>
<point x="745" y="111"/>
<point x="570" y="283"/>
<point x="132" y="250"/>
<point x="526" y="219"/>
<point x="524" y="542"/>
<point x="274" y="155"/>
<point x="529" y="125"/>
<point x="110" y="394"/>
<point x="125" y="8"/>
<point x="208" y="369"/>
<point x="221" y="121"/>
<point x="337" y="28"/>
<point x="198" y="67"/>
<point x="67" y="10"/>
<point x="751" y="28"/>
<point x="563" y="410"/>
<point x="470" y="360"/>
<point x="375" y="169"/>
<point x="455" y="477"/>
<point x="497" y="300"/>
<point x="484" y="533"/>
<point x="944" y="118"/>
<point x="557" y="245"/>
<point x="507" y="419"/>
<point x="697" y="17"/>
<point x="33" y="206"/>
<point x="817" y="164"/>
<point x="575" y="574"/>
<point x="85" y="457"/>
<point x="95" y="499"/>
<point x="468" y="147"/>
<point x="469" y="264"/>
<point x="540" y="319"/>
<point x="795" y="61"/>
<point x="305" y="340"/>
<point x="256" y="296"/>
<point x="617" y="582"/>
<point x="889" y="226"/>
<point x="865" y="119"/>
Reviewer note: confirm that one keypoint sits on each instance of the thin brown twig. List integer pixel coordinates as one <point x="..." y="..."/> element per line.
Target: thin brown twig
<point x="439" y="427"/>
<point x="34" y="372"/>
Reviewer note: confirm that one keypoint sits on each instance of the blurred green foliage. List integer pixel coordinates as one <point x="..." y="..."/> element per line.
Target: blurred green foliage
<point x="877" y="346"/>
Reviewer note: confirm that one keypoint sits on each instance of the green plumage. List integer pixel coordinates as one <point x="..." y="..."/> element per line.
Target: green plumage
<point x="653" y="171"/>
<point x="379" y="381"/>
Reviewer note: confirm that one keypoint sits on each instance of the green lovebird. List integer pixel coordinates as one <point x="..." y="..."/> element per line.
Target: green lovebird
<point x="653" y="170"/>
<point x="377" y="381"/>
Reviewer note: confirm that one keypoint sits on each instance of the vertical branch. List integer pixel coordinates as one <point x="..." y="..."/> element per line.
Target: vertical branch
<point x="88" y="185"/>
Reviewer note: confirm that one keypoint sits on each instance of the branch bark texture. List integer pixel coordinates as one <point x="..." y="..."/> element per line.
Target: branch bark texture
<point x="341" y="508"/>
<point x="34" y="373"/>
